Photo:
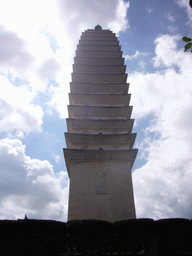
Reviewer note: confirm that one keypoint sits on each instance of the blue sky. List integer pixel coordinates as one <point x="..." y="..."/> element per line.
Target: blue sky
<point x="37" y="45"/>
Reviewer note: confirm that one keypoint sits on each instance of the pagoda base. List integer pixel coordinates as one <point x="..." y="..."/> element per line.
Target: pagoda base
<point x="101" y="189"/>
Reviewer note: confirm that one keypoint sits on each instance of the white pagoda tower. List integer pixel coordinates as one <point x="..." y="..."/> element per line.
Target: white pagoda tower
<point x="99" y="154"/>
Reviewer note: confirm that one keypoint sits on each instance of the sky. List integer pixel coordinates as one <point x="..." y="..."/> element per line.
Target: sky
<point x="38" y="40"/>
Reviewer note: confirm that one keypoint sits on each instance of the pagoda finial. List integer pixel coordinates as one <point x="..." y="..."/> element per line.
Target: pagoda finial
<point x="98" y="27"/>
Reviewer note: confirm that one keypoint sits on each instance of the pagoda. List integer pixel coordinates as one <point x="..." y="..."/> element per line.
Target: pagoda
<point x="99" y="154"/>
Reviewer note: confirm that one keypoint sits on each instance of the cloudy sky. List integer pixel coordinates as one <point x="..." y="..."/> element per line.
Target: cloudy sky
<point x="37" y="44"/>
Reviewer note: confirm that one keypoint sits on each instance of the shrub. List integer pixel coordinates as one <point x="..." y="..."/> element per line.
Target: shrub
<point x="89" y="227"/>
<point x="176" y="226"/>
<point x="134" y="226"/>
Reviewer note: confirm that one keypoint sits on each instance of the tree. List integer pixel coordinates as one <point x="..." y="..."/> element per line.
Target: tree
<point x="190" y="3"/>
<point x="188" y="39"/>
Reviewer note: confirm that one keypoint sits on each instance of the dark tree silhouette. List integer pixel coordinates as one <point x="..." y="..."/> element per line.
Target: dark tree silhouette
<point x="190" y="3"/>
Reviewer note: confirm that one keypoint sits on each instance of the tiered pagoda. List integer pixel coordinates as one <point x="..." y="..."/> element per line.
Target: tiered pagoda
<point x="99" y="154"/>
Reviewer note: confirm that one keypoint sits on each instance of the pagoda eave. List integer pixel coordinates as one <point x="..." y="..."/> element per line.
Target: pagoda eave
<point x="79" y="155"/>
<point x="95" y="88"/>
<point x="100" y="126"/>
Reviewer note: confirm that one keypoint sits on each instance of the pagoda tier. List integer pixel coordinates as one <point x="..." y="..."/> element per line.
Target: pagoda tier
<point x="99" y="154"/>
<point x="99" y="88"/>
<point x="94" y="126"/>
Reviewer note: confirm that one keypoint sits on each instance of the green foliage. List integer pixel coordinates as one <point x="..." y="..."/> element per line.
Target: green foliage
<point x="188" y="45"/>
<point x="186" y="39"/>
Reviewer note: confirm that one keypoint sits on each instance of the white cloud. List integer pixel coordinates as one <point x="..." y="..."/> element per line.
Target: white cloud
<point x="120" y="23"/>
<point x="60" y="99"/>
<point x="29" y="24"/>
<point x="49" y="69"/>
<point x="136" y="55"/>
<point x="31" y="51"/>
<point x="162" y="186"/>
<point x="57" y="158"/>
<point x="29" y="186"/>
<point x="166" y="51"/>
<point x="142" y="64"/>
<point x="172" y="29"/>
<point x="17" y="113"/>
<point x="79" y="15"/>
<point x="169" y="17"/>
<point x="13" y="52"/>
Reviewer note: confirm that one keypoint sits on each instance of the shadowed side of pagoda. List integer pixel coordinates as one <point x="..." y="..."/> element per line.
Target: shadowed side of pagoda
<point x="99" y="154"/>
